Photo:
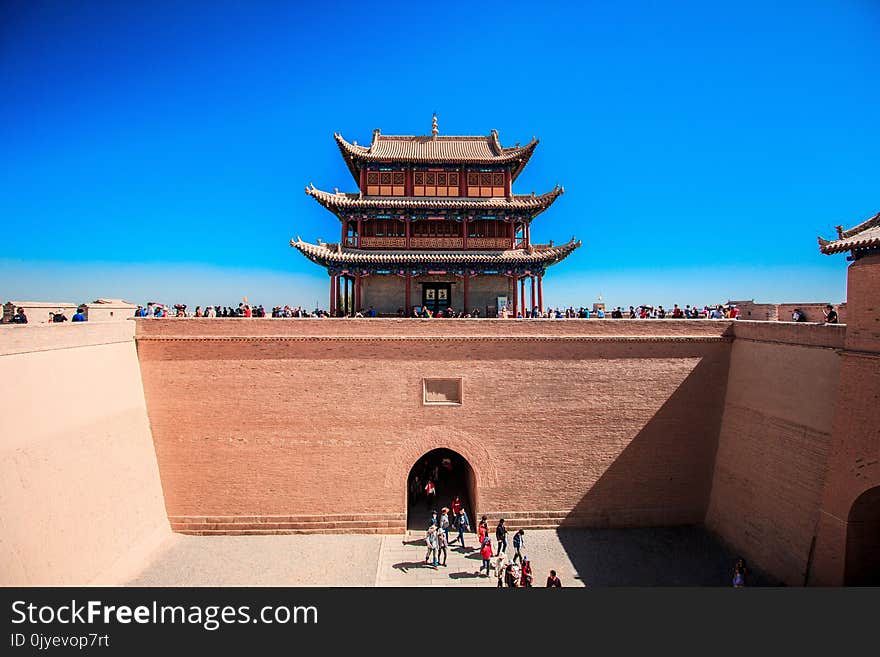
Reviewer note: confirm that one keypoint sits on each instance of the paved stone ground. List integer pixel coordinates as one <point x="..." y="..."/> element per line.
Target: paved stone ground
<point x="677" y="556"/>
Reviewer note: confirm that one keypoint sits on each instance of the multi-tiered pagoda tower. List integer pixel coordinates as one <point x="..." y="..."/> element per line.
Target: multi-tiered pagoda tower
<point x="435" y="224"/>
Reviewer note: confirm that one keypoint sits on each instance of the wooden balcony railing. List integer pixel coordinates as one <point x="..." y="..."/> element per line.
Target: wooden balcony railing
<point x="369" y="242"/>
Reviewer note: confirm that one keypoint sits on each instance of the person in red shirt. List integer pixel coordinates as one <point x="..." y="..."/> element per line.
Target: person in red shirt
<point x="486" y="554"/>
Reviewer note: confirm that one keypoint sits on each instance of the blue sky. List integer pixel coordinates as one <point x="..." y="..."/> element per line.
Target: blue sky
<point x="160" y="150"/>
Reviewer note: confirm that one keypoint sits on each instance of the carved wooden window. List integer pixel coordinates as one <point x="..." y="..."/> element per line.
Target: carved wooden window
<point x="485" y="183"/>
<point x="386" y="183"/>
<point x="435" y="183"/>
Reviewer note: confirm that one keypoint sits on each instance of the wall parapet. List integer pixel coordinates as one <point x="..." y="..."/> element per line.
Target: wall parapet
<point x="830" y="336"/>
<point x="28" y="338"/>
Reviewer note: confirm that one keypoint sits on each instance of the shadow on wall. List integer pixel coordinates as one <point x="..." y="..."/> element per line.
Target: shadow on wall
<point x="651" y="500"/>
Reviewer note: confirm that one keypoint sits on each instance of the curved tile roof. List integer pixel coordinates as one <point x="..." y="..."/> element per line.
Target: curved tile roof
<point x="865" y="234"/>
<point x="477" y="149"/>
<point x="340" y="201"/>
<point x="325" y="254"/>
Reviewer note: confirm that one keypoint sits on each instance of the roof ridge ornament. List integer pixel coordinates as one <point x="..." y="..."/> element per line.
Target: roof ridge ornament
<point x="839" y="232"/>
<point x="434" y="129"/>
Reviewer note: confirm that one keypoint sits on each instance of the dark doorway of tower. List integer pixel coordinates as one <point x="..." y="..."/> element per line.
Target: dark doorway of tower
<point x="451" y="475"/>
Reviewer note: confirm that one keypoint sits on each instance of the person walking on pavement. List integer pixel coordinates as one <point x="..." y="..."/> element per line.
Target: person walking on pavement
<point x="553" y="581"/>
<point x="526" y="577"/>
<point x="442" y="542"/>
<point x="461" y="519"/>
<point x="431" y="542"/>
<point x="486" y="554"/>
<point x="500" y="563"/>
<point x="501" y="536"/>
<point x="482" y="530"/>
<point x="519" y="542"/>
<point x="444" y="522"/>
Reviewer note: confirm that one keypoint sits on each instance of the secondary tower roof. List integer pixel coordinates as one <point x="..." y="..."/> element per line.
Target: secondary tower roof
<point x="863" y="236"/>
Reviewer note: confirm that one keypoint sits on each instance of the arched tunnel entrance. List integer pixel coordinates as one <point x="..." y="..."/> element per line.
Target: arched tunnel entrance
<point x="452" y="476"/>
<point x="863" y="541"/>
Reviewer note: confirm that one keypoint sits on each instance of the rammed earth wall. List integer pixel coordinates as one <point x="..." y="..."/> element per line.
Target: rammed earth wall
<point x="81" y="501"/>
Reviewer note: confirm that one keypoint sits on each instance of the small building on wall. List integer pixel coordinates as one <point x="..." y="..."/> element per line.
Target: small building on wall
<point x="104" y="310"/>
<point x="435" y="224"/>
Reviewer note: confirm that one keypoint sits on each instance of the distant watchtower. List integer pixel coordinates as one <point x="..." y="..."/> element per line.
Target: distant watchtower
<point x="434" y="224"/>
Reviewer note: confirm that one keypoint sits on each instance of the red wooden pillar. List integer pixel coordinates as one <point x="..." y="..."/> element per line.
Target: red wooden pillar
<point x="344" y="231"/>
<point x="467" y="280"/>
<point x="407" y="306"/>
<point x="408" y="231"/>
<point x="363" y="189"/>
<point x="513" y="278"/>
<point x="332" y="295"/>
<point x="464" y="231"/>
<point x="345" y="290"/>
<point x="358" y="239"/>
<point x="512" y="234"/>
<point x="338" y="294"/>
<point x="541" y="293"/>
<point x="527" y="234"/>
<point x="533" y="292"/>
<point x="357" y="293"/>
<point x="507" y="182"/>
<point x="462" y="182"/>
<point x="408" y="182"/>
<point x="522" y="294"/>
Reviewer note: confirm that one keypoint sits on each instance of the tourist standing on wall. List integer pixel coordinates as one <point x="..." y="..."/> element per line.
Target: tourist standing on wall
<point x="79" y="316"/>
<point x="19" y="317"/>
<point x="553" y="581"/>
<point x="830" y="315"/>
<point x="501" y="536"/>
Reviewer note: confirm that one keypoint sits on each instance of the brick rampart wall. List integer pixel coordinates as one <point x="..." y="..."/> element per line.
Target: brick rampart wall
<point x="313" y="425"/>
<point x="774" y="443"/>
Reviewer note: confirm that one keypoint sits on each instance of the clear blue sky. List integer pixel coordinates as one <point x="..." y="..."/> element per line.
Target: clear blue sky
<point x="159" y="150"/>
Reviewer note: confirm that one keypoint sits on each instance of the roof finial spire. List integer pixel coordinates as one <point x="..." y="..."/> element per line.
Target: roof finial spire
<point x="434" y="129"/>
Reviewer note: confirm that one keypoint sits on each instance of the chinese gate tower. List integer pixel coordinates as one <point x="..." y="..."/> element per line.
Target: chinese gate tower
<point x="435" y="224"/>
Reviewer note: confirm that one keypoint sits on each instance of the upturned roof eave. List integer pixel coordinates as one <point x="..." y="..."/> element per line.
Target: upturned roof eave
<point x="338" y="203"/>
